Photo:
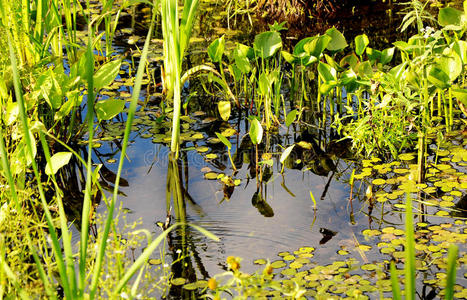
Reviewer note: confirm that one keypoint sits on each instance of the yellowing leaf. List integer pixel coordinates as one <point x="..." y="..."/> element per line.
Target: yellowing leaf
<point x="224" y="109"/>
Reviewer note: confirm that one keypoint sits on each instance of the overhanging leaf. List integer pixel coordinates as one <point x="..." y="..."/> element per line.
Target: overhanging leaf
<point x="57" y="161"/>
<point x="106" y="74"/>
<point x="109" y="108"/>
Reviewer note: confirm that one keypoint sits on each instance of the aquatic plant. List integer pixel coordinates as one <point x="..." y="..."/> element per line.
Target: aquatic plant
<point x="176" y="34"/>
<point x="409" y="264"/>
<point x="418" y="91"/>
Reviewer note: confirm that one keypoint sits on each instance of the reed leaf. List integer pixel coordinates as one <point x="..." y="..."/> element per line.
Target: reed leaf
<point x="396" y="290"/>
<point x="87" y="192"/>
<point x="451" y="272"/>
<point x="410" y="287"/>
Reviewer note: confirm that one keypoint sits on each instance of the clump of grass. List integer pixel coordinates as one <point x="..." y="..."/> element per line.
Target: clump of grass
<point x="78" y="280"/>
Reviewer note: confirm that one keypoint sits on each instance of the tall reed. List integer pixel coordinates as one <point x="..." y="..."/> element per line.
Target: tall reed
<point x="176" y="35"/>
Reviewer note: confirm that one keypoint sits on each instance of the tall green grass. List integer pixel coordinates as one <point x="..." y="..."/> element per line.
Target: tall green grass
<point x="74" y="277"/>
<point x="176" y="35"/>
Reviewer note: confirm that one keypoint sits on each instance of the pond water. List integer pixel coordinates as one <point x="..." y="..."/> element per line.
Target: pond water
<point x="278" y="216"/>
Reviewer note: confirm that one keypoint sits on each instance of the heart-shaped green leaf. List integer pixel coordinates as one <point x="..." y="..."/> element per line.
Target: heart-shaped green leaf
<point x="267" y="43"/>
<point x="337" y="42"/>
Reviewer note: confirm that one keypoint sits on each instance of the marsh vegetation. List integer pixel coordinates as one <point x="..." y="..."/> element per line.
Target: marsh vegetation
<point x="197" y="149"/>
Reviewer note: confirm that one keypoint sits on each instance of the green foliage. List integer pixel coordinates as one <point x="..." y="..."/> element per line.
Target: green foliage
<point x="361" y="42"/>
<point x="256" y="131"/>
<point x="57" y="161"/>
<point x="106" y="74"/>
<point x="109" y="108"/>
<point x="216" y="49"/>
<point x="61" y="92"/>
<point x="267" y="44"/>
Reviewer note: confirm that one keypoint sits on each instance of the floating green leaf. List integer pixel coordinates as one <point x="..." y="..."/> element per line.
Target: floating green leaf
<point x="200" y="284"/>
<point x="178" y="281"/>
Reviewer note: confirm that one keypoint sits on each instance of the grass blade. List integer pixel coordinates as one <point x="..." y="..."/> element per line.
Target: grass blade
<point x="87" y="191"/>
<point x="129" y="122"/>
<point x="451" y="276"/>
<point x="396" y="290"/>
<point x="410" y="287"/>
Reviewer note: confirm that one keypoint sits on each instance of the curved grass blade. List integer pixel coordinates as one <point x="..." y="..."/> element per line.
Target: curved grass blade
<point x="129" y="122"/>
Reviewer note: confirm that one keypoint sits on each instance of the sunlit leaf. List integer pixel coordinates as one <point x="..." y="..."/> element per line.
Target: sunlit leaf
<point x="361" y="41"/>
<point x="224" y="109"/>
<point x="449" y="16"/>
<point x="109" y="108"/>
<point x="256" y="132"/>
<point x="57" y="161"/>
<point x="267" y="43"/>
<point x="106" y="74"/>
<point x="216" y="49"/>
<point x="286" y="153"/>
<point x="337" y="42"/>
<point x="224" y="140"/>
<point x="290" y="117"/>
